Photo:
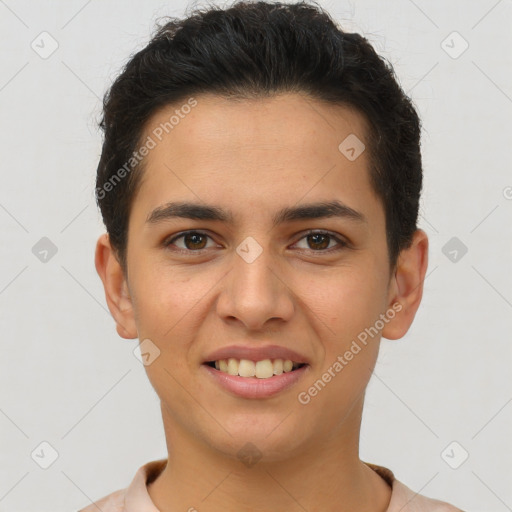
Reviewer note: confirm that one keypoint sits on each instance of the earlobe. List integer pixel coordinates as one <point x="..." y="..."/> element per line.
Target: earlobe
<point x="406" y="287"/>
<point x="117" y="293"/>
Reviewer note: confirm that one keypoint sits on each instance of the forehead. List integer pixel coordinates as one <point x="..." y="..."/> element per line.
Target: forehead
<point x="286" y="121"/>
<point x="284" y="149"/>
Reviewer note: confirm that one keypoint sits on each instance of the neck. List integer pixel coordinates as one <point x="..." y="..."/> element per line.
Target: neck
<point x="326" y="475"/>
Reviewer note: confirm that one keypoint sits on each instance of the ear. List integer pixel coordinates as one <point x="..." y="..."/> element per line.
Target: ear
<point x="116" y="288"/>
<point x="406" y="286"/>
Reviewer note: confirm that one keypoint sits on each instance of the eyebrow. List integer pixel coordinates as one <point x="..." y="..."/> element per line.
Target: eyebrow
<point x="197" y="211"/>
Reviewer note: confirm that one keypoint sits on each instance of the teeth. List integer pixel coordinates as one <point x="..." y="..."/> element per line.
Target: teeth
<point x="246" y="368"/>
<point x="264" y="369"/>
<point x="232" y="366"/>
<point x="260" y="369"/>
<point x="278" y="367"/>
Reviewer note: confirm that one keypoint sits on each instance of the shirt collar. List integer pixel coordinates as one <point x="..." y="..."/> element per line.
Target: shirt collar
<point x="137" y="498"/>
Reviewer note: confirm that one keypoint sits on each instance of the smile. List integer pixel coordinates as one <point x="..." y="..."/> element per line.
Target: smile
<point x="263" y="369"/>
<point x="252" y="379"/>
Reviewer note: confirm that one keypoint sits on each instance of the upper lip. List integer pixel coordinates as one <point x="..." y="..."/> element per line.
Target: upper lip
<point x="256" y="353"/>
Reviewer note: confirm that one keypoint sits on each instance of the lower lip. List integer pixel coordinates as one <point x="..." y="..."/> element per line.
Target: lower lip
<point x="252" y="387"/>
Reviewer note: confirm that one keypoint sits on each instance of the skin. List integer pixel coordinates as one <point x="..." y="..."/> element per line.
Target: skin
<point x="255" y="157"/>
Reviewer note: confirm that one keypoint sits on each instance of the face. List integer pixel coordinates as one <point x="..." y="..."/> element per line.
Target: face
<point x="252" y="273"/>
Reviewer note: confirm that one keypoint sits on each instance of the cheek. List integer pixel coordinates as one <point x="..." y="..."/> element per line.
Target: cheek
<point x="167" y="314"/>
<point x="164" y="299"/>
<point x="347" y="301"/>
<point x="346" y="307"/>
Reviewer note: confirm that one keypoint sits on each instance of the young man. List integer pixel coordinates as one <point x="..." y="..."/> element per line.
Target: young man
<point x="259" y="181"/>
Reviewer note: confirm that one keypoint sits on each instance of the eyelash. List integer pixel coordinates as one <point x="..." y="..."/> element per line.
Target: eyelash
<point x="341" y="244"/>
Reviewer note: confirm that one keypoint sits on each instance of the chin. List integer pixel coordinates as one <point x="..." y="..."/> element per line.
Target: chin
<point x="270" y="441"/>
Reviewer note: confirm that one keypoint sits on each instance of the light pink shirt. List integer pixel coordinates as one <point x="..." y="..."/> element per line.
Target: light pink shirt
<point x="135" y="497"/>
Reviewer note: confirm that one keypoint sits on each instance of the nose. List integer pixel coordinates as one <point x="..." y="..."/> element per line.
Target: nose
<point x="255" y="292"/>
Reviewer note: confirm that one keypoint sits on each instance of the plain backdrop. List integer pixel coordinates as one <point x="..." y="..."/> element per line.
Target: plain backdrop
<point x="438" y="408"/>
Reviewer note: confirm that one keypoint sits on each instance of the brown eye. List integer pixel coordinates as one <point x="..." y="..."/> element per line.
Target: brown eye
<point x="196" y="240"/>
<point x="192" y="240"/>
<point x="320" y="241"/>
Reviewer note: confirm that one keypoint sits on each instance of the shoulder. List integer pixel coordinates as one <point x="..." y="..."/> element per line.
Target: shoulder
<point x="135" y="497"/>
<point x="113" y="502"/>
<point x="414" y="502"/>
<point x="404" y="499"/>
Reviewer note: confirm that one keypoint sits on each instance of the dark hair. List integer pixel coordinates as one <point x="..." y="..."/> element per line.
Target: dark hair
<point x="257" y="49"/>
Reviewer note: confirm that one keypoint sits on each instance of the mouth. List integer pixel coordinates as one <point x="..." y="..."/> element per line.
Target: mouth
<point x="262" y="369"/>
<point x="260" y="379"/>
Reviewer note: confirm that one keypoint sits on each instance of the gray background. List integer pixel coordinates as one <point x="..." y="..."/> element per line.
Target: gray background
<point x="69" y="380"/>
